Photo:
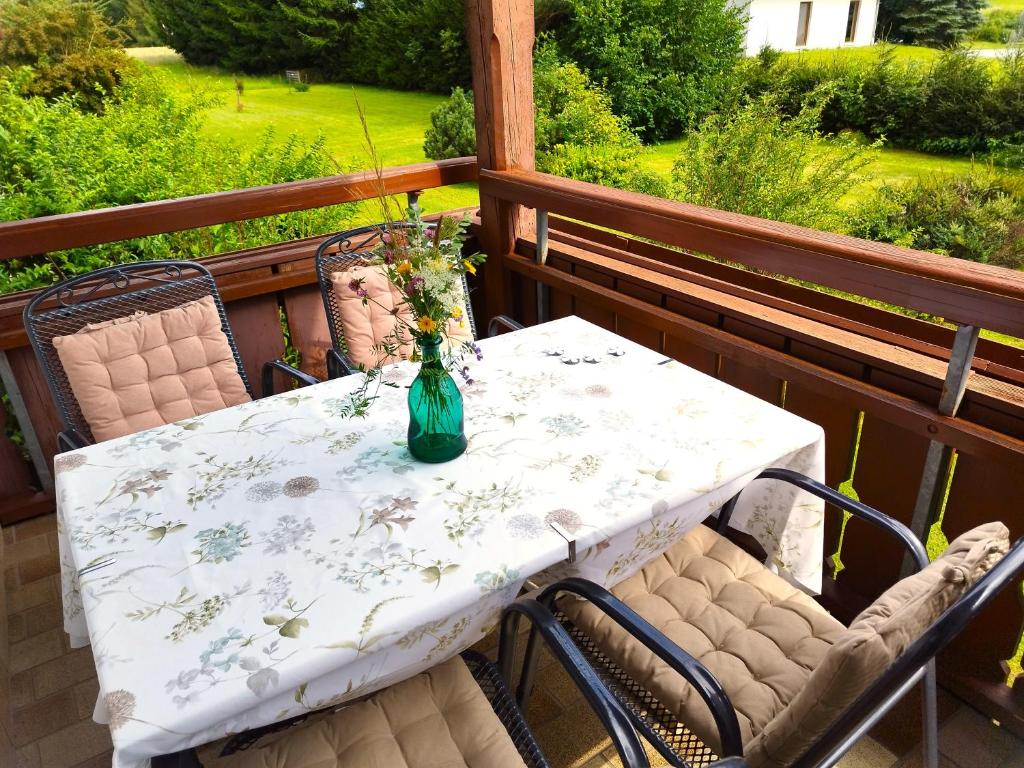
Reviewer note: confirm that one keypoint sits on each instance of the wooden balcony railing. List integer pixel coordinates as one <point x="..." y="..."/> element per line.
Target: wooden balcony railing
<point x="876" y="380"/>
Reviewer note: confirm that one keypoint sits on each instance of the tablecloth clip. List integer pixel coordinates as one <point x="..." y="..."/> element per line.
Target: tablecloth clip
<point x="569" y="539"/>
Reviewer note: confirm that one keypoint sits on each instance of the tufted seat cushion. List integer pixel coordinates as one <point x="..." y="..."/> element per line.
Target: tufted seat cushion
<point x="143" y="371"/>
<point x="879" y="634"/>
<point x="366" y="325"/>
<point x="438" y="719"/>
<point x="760" y="636"/>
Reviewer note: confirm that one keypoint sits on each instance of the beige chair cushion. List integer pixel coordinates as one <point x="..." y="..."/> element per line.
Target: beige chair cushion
<point x="874" y="640"/>
<point x="760" y="636"/>
<point x="365" y="326"/>
<point x="151" y="370"/>
<point x="438" y="719"/>
<point x="113" y="321"/>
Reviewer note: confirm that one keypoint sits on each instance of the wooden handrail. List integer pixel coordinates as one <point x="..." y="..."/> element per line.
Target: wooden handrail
<point x="960" y="291"/>
<point x="44" y="234"/>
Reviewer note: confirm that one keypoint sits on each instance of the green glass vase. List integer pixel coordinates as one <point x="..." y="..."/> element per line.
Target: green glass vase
<point x="436" y="428"/>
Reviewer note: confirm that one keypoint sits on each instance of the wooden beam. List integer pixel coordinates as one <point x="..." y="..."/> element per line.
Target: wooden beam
<point x="500" y="34"/>
<point x="960" y="291"/>
<point x="44" y="234"/>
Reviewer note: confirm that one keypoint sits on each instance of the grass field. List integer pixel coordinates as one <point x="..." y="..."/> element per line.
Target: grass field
<point x="398" y="119"/>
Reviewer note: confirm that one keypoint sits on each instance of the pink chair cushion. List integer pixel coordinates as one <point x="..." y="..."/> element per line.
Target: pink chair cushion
<point x="144" y="371"/>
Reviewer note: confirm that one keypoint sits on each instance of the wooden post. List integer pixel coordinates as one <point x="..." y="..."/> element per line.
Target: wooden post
<point x="501" y="47"/>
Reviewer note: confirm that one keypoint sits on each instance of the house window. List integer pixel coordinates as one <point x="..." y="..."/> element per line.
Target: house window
<point x="803" y="24"/>
<point x="851" y="20"/>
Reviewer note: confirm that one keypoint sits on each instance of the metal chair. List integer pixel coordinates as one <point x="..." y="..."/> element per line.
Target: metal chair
<point x="494" y="688"/>
<point x="115" y="292"/>
<point x="359" y="246"/>
<point x="681" y="747"/>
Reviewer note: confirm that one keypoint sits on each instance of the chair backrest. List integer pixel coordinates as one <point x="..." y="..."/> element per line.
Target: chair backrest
<point x="345" y="250"/>
<point x="107" y="294"/>
<point x="875" y="640"/>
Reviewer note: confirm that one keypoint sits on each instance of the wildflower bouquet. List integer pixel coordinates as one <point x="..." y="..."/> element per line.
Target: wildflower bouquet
<point x="425" y="262"/>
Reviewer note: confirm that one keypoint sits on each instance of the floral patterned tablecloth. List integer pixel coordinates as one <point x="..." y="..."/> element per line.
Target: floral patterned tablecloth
<point x="275" y="557"/>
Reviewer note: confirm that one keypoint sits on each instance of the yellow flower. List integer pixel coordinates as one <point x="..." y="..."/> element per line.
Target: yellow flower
<point x="469" y="266"/>
<point x="404" y="268"/>
<point x="426" y="324"/>
<point x="457" y="312"/>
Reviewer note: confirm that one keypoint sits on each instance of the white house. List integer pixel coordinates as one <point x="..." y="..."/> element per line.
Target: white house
<point x="792" y="25"/>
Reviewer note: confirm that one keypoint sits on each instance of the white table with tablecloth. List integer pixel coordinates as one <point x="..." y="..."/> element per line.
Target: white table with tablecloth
<point x="279" y="557"/>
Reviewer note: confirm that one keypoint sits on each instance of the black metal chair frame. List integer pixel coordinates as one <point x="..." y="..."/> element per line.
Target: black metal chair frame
<point x="493" y="683"/>
<point x="115" y="292"/>
<point x="916" y="663"/>
<point x="358" y="246"/>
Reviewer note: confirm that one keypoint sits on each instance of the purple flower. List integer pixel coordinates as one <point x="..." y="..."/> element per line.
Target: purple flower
<point x="389" y="257"/>
<point x="361" y="293"/>
<point x="414" y="285"/>
<point x="355" y="285"/>
<point x="464" y="373"/>
<point x="477" y="351"/>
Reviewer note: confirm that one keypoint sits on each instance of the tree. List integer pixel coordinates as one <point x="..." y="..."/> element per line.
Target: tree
<point x="929" y="22"/>
<point x="665" y="63"/>
<point x="416" y="46"/>
<point x="256" y="35"/>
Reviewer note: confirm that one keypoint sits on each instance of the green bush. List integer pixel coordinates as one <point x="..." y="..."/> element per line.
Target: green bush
<point x="998" y="26"/>
<point x="577" y="133"/>
<point x="605" y="164"/>
<point x="70" y="46"/>
<point x="452" y="131"/>
<point x="978" y="216"/>
<point x="146" y="145"/>
<point x="664" y="63"/>
<point x="755" y="160"/>
<point x="958" y="104"/>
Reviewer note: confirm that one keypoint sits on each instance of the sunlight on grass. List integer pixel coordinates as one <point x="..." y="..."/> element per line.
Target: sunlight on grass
<point x="397" y="119"/>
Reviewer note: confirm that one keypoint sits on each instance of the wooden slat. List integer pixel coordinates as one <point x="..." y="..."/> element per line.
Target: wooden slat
<point x="307" y="320"/>
<point x="256" y="326"/>
<point x="71" y="230"/>
<point x="899" y="410"/>
<point x="888" y="474"/>
<point x="15" y="475"/>
<point x="963" y="291"/>
<point x="863" y="319"/>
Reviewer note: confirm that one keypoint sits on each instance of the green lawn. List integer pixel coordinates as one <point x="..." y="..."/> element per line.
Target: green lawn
<point x="397" y="119"/>
<point x="866" y="52"/>
<point x="891" y="165"/>
<point x="1017" y="6"/>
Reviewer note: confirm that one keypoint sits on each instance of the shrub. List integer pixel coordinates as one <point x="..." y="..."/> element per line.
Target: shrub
<point x="955" y="116"/>
<point x="69" y="44"/>
<point x="145" y="145"/>
<point x="577" y="133"/>
<point x="978" y="216"/>
<point x="999" y="26"/>
<point x="570" y="109"/>
<point x="756" y="161"/>
<point x="664" y="63"/>
<point x="452" y="131"/>
<point x="606" y="164"/>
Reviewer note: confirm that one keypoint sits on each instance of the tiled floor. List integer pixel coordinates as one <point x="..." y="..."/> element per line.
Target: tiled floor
<point x="53" y="690"/>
